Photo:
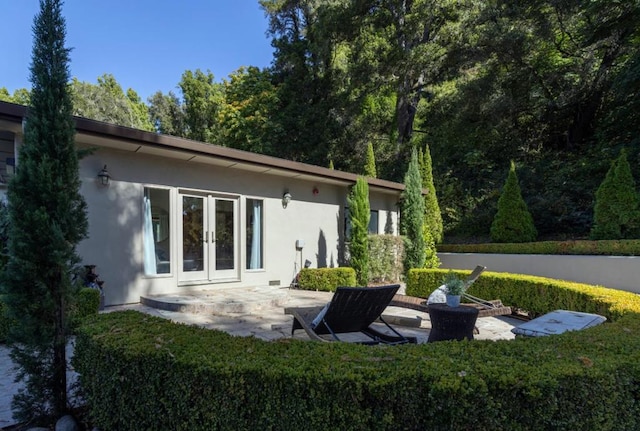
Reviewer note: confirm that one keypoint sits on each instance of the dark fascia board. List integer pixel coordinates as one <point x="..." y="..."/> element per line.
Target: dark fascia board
<point x="15" y="113"/>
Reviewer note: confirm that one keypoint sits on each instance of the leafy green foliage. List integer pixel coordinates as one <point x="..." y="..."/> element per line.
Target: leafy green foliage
<point x="206" y="379"/>
<point x="106" y="101"/>
<point x="576" y="247"/>
<point x="5" y="321"/>
<point x="167" y="115"/>
<point x="203" y="99"/>
<point x="537" y="295"/>
<point x="86" y="303"/>
<point x="4" y="234"/>
<point x="250" y="100"/>
<point x="617" y="209"/>
<point x="47" y="218"/>
<point x="386" y="254"/>
<point x="412" y="220"/>
<point x="326" y="279"/>
<point x="432" y="215"/>
<point x="370" y="165"/>
<point x="359" y="216"/>
<point x="20" y="96"/>
<point x="513" y="222"/>
<point x="453" y="283"/>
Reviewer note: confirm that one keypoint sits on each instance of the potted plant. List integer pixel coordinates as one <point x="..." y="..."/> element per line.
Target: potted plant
<point x="455" y="287"/>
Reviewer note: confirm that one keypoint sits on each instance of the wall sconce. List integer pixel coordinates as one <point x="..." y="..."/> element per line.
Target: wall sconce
<point x="315" y="191"/>
<point x="286" y="198"/>
<point x="104" y="177"/>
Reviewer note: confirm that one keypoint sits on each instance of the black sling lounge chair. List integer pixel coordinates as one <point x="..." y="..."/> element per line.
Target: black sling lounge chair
<point x="352" y="309"/>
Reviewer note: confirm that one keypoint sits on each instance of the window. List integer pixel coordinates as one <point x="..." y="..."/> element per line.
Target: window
<point x="373" y="223"/>
<point x="255" y="234"/>
<point x="155" y="231"/>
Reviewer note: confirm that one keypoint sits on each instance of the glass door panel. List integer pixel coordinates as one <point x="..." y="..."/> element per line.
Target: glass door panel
<point x="194" y="245"/>
<point x="209" y="238"/>
<point x="225" y="235"/>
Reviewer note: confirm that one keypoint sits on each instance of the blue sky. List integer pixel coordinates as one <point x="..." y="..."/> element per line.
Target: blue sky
<point x="145" y="44"/>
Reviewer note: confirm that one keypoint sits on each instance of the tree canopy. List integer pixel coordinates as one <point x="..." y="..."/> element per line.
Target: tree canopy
<point x="551" y="85"/>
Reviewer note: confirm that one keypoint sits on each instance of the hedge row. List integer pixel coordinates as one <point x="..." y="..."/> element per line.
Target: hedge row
<point x="141" y="372"/>
<point x="326" y="279"/>
<point x="539" y="295"/>
<point x="575" y="247"/>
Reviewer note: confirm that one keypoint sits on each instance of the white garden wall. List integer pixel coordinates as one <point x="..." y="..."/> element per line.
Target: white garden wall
<point x="618" y="272"/>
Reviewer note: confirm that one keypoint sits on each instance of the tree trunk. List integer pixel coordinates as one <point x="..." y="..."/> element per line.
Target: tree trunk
<point x="59" y="384"/>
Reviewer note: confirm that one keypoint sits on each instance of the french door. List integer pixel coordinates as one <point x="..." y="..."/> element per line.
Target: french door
<point x="209" y="237"/>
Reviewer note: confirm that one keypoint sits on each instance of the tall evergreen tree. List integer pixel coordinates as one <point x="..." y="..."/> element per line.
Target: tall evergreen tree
<point x="370" y="166"/>
<point x="359" y="216"/>
<point x="47" y="218"/>
<point x="412" y="220"/>
<point x="616" y="213"/>
<point x="513" y="221"/>
<point x="432" y="215"/>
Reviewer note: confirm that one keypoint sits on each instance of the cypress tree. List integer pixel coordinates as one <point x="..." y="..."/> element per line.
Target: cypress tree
<point x="412" y="220"/>
<point x="433" y="217"/>
<point x="616" y="214"/>
<point x="370" y="166"/>
<point x="513" y="221"/>
<point x="359" y="215"/>
<point x="47" y="218"/>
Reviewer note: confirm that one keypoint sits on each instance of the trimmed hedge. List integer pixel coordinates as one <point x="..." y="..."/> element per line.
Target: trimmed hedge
<point x="326" y="279"/>
<point x="142" y="372"/>
<point x="88" y="303"/>
<point x="629" y="247"/>
<point x="539" y="295"/>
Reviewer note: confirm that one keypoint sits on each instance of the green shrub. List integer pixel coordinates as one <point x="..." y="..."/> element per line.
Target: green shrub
<point x="432" y="215"/>
<point x="578" y="247"/>
<point x="326" y="279"/>
<point x="412" y="220"/>
<point x="513" y="222"/>
<point x="87" y="304"/>
<point x="539" y="295"/>
<point x="142" y="372"/>
<point x="617" y="209"/>
<point x="5" y="322"/>
<point x="386" y="253"/>
<point x="359" y="216"/>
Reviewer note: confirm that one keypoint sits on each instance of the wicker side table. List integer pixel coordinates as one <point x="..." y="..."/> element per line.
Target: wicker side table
<point x="451" y="323"/>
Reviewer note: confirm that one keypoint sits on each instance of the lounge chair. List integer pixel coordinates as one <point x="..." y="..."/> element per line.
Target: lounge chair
<point x="351" y="310"/>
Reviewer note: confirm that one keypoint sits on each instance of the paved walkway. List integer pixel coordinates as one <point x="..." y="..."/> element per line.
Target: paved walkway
<point x="255" y="312"/>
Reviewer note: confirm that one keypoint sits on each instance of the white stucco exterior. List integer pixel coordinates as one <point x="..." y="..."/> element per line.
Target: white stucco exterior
<point x="213" y="176"/>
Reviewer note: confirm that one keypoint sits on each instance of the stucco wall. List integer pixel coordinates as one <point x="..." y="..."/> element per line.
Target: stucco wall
<point x="618" y="272"/>
<point x="115" y="242"/>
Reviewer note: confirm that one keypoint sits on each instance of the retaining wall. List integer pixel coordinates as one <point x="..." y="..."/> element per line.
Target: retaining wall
<point x="617" y="272"/>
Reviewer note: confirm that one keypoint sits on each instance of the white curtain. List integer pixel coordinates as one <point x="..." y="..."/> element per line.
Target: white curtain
<point x="148" y="241"/>
<point x="256" y="238"/>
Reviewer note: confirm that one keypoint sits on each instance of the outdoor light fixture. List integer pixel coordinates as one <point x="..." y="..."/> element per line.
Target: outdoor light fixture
<point x="286" y="198"/>
<point x="104" y="177"/>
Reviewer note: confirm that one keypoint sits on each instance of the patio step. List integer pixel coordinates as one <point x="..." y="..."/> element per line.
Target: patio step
<point x="222" y="301"/>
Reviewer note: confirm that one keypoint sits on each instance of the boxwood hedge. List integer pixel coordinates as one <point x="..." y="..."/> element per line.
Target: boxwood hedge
<point x="142" y="372"/>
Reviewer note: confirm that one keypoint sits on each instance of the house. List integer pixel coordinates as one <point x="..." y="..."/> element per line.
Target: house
<point x="168" y="214"/>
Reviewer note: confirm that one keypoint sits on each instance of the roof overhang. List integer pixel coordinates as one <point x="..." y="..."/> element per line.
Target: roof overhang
<point x="101" y="134"/>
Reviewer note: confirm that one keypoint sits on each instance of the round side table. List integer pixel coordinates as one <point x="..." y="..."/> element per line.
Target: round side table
<point x="451" y="323"/>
